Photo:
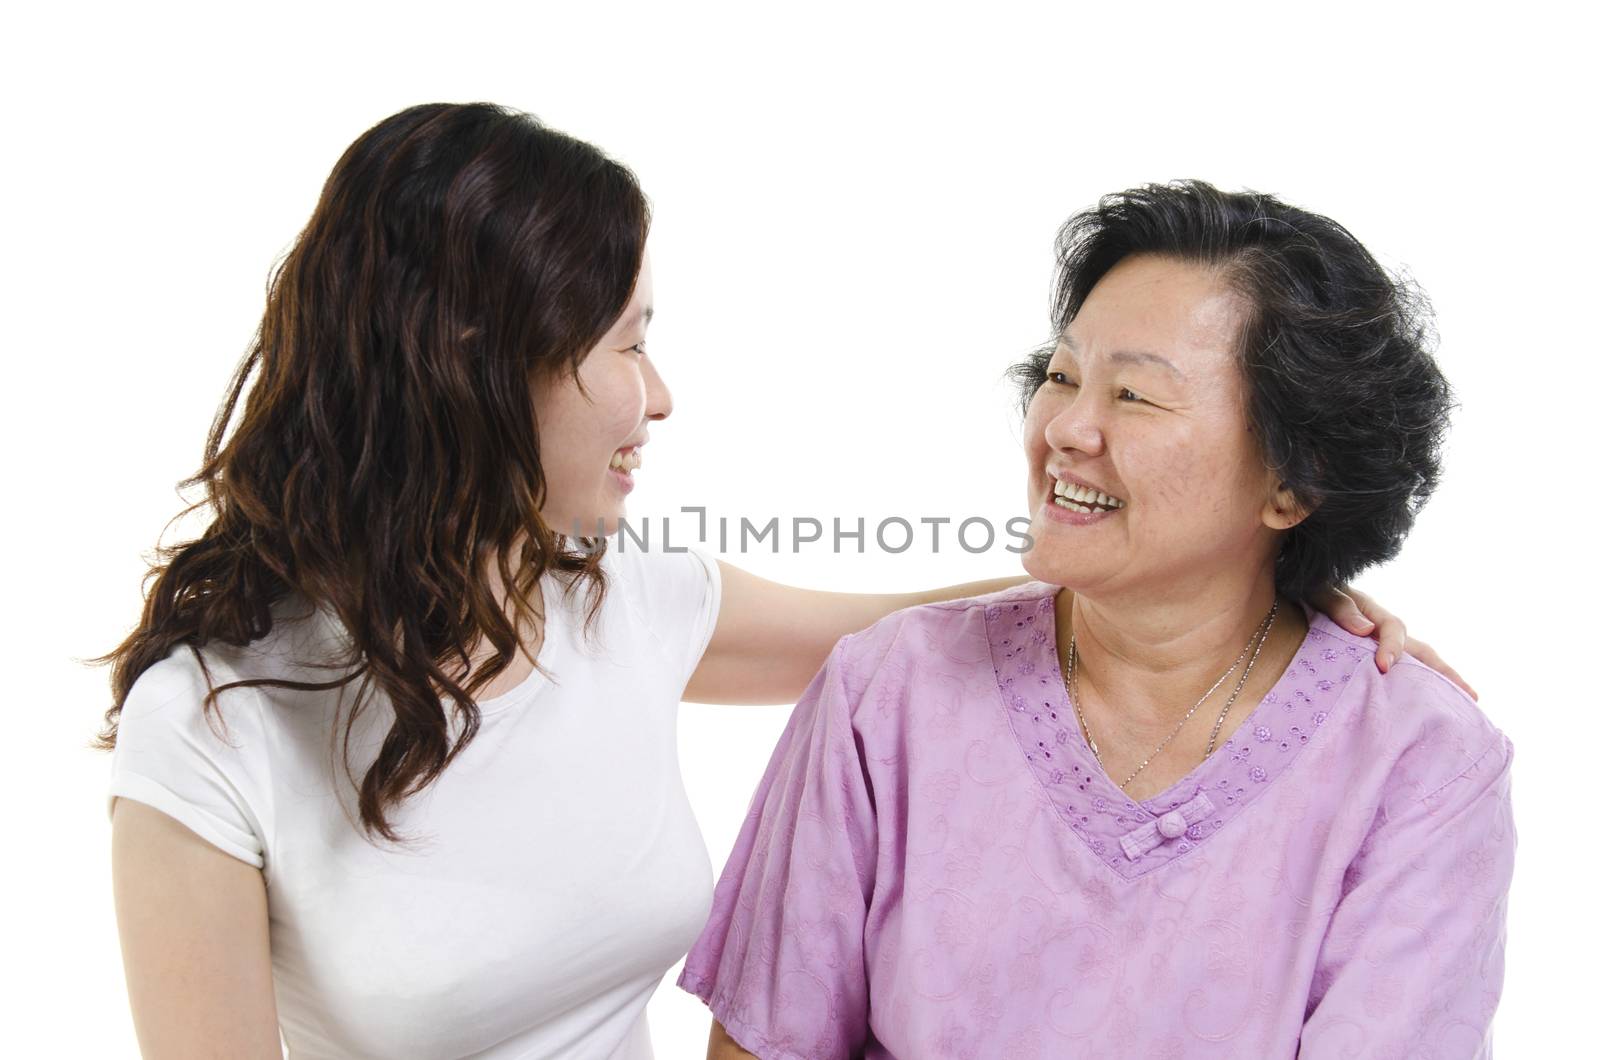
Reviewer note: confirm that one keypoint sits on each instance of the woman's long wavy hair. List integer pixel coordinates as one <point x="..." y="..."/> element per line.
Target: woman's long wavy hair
<point x="458" y="255"/>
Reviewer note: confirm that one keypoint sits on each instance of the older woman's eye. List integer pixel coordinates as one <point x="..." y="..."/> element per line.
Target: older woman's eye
<point x="1059" y="377"/>
<point x="1131" y="395"/>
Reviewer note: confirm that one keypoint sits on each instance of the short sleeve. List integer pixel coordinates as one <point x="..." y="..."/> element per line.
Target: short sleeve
<point x="1413" y="959"/>
<point x="677" y="595"/>
<point x="171" y="757"/>
<point x="781" y="961"/>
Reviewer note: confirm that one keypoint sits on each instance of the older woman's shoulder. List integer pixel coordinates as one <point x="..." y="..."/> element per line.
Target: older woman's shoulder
<point x="1428" y="731"/>
<point x="940" y="635"/>
<point x="1449" y="737"/>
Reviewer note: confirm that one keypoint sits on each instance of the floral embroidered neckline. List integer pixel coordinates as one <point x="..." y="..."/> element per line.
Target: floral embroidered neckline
<point x="1135" y="838"/>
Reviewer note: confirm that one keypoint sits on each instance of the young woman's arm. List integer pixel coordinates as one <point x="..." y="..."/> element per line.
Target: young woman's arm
<point x="771" y="638"/>
<point x="193" y="923"/>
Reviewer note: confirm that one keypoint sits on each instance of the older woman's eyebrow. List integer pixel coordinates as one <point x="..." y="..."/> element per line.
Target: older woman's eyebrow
<point x="1141" y="357"/>
<point x="1132" y="357"/>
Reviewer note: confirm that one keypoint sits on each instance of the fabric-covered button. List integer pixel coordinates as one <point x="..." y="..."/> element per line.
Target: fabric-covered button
<point x="1152" y="834"/>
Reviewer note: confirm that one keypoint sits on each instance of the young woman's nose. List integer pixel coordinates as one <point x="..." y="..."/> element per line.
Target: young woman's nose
<point x="657" y="398"/>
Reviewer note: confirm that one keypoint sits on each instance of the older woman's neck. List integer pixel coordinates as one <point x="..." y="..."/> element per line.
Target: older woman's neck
<point x="1155" y="657"/>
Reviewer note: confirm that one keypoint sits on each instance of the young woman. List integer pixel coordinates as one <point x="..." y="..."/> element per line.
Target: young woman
<point x="395" y="765"/>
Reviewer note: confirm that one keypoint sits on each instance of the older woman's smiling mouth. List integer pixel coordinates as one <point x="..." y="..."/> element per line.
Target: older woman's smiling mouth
<point x="1077" y="497"/>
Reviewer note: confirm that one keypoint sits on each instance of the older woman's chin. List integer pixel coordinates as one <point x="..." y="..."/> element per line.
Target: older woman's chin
<point x="1050" y="569"/>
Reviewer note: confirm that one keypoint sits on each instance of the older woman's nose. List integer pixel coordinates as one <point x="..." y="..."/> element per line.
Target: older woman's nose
<point x="1076" y="426"/>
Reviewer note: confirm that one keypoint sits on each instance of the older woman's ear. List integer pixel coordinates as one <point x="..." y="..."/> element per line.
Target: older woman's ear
<point x="1285" y="509"/>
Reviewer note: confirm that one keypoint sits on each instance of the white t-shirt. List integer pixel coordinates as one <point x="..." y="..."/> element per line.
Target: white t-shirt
<point x="557" y="870"/>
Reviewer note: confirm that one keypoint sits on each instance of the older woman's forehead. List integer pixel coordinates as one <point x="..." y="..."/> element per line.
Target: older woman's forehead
<point x="1157" y="312"/>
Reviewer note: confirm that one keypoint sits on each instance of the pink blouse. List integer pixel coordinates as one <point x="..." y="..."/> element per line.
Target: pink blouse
<point x="935" y="865"/>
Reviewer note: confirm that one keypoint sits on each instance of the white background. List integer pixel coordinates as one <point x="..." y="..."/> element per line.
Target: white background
<point x="854" y="211"/>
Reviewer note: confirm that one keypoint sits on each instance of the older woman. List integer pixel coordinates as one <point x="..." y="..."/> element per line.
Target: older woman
<point x="1182" y="814"/>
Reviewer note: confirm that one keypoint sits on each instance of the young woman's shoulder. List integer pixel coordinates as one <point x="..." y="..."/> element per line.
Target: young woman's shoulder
<point x="208" y="769"/>
<point x="656" y="581"/>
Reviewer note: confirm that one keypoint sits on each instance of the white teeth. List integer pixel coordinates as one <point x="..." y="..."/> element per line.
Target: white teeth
<point x="1084" y="496"/>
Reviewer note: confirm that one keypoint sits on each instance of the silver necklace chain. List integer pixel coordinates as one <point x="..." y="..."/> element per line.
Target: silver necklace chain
<point x="1258" y="638"/>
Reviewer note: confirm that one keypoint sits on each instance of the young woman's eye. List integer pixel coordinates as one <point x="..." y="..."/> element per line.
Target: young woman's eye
<point x="637" y="347"/>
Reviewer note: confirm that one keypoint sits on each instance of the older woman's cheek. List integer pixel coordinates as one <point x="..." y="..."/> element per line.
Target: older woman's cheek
<point x="1168" y="478"/>
<point x="1036" y="447"/>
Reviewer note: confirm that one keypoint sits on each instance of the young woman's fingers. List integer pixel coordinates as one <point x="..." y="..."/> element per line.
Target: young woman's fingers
<point x="1338" y="605"/>
<point x="1391" y="632"/>
<point x="1392" y="640"/>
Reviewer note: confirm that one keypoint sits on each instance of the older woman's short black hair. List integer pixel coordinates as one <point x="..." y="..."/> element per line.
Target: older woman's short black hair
<point x="1345" y="399"/>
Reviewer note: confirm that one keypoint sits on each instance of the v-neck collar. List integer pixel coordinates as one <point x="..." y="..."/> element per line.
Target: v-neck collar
<point x="1137" y="837"/>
